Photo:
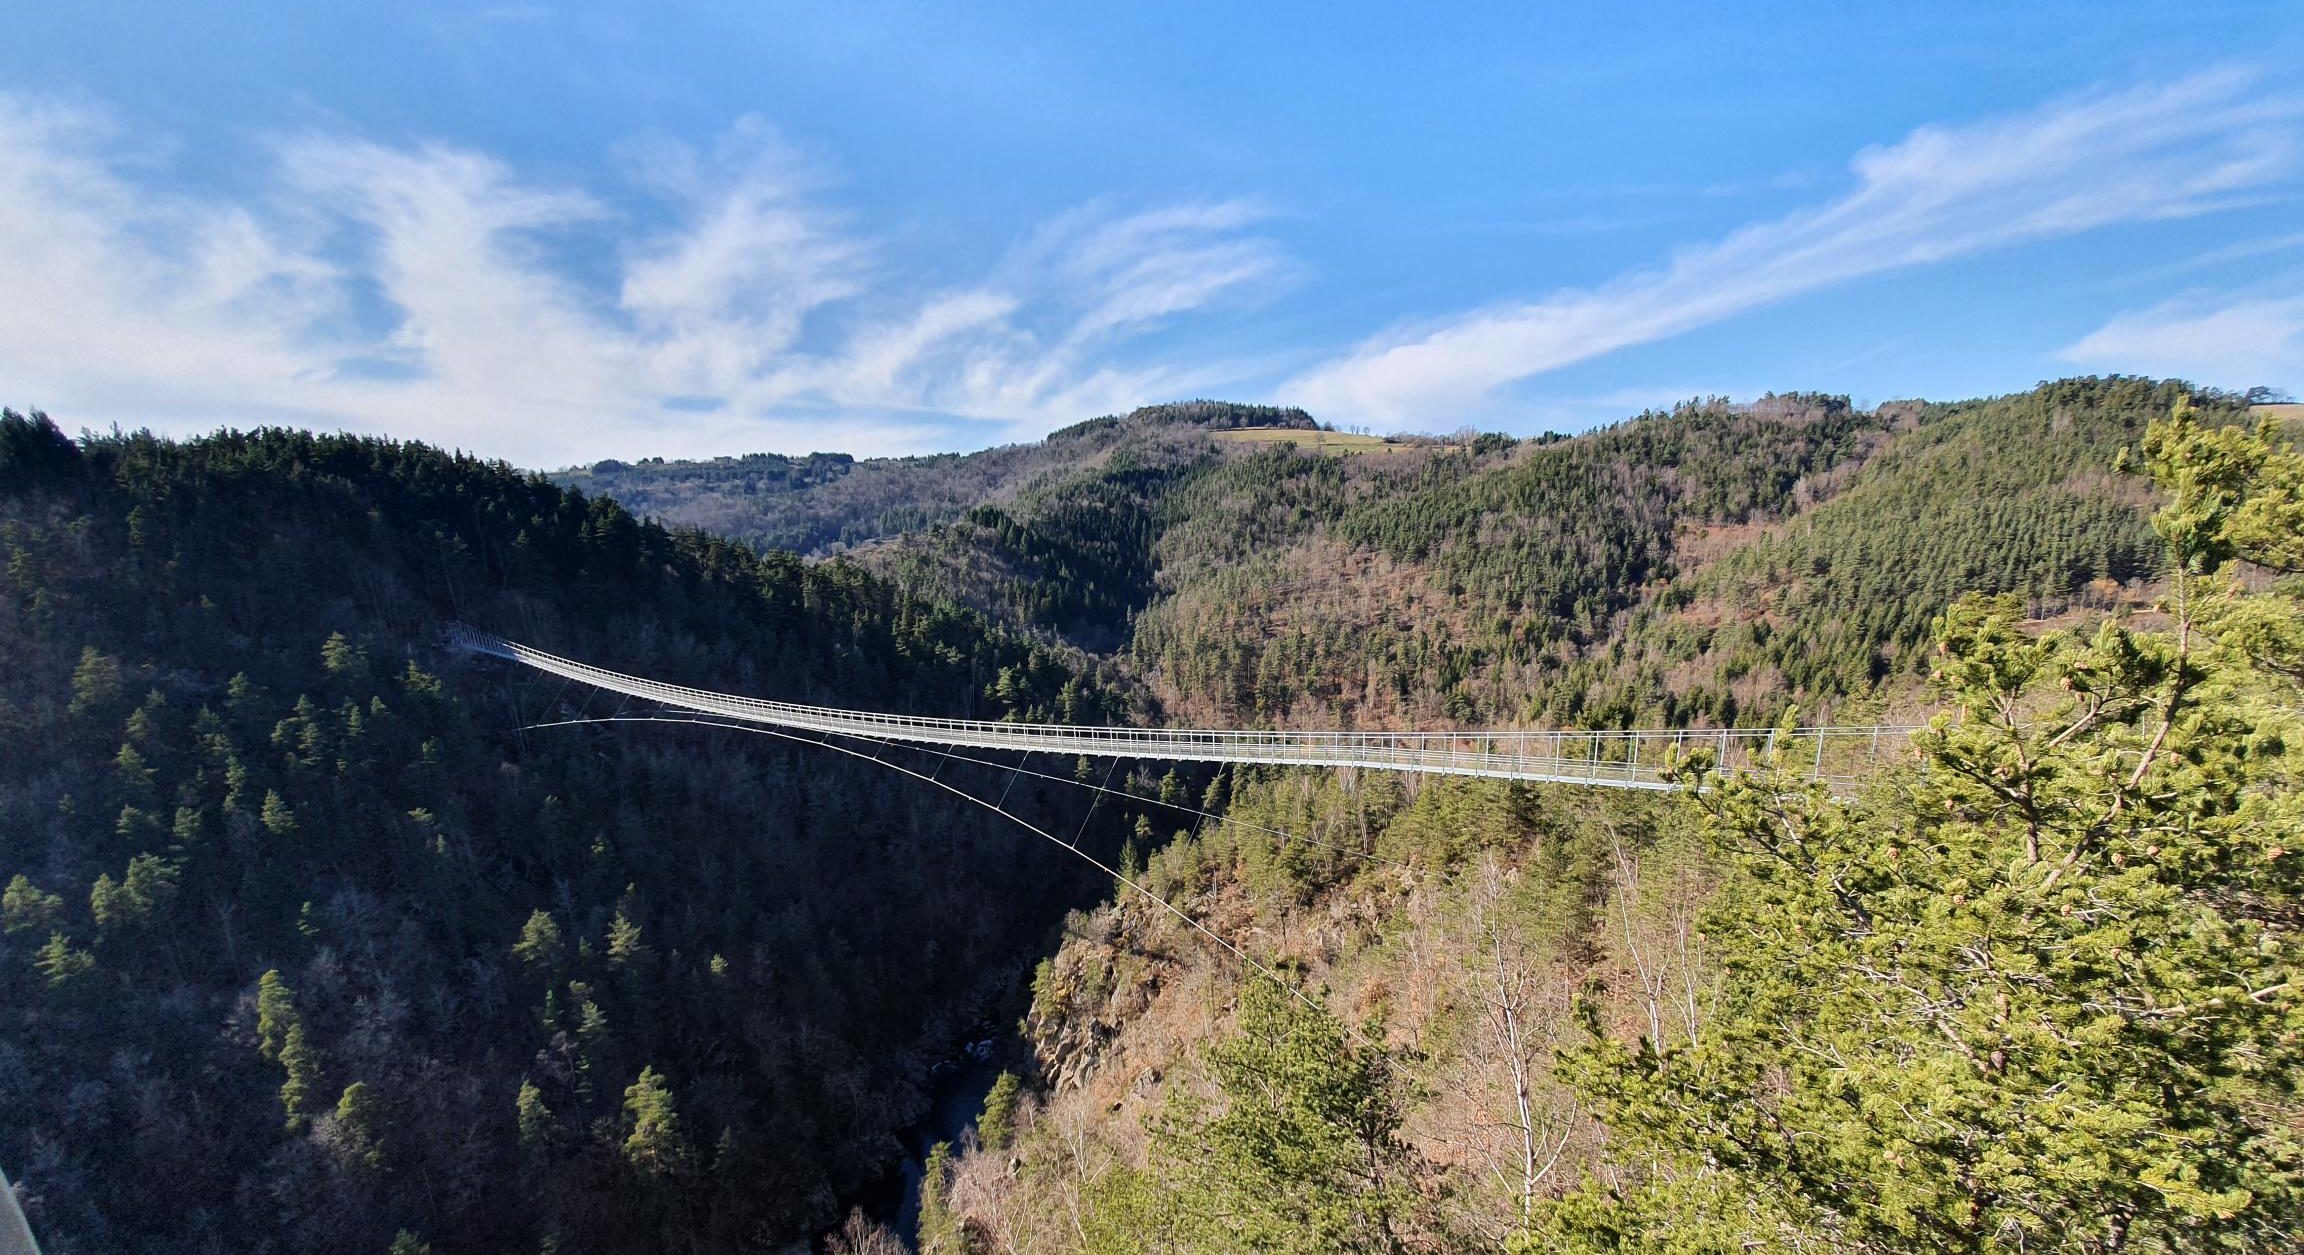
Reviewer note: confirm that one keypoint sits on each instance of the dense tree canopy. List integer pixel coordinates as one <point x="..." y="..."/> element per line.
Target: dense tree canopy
<point x="305" y="941"/>
<point x="1296" y="1151"/>
<point x="309" y="939"/>
<point x="1704" y="565"/>
<point x="2041" y="990"/>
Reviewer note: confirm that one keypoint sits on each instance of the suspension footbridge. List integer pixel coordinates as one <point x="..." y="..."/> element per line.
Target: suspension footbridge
<point x="1625" y="759"/>
<point x="1630" y="759"/>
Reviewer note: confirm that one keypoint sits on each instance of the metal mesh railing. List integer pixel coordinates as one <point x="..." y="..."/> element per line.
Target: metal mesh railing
<point x="1618" y="759"/>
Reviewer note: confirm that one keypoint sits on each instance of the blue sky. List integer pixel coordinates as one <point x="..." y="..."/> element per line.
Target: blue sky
<point x="555" y="233"/>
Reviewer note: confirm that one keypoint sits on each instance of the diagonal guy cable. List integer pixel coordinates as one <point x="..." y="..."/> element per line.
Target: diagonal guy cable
<point x="1163" y="903"/>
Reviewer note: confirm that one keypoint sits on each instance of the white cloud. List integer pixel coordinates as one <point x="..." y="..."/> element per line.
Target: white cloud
<point x="156" y="296"/>
<point x="1034" y="341"/>
<point x="2168" y="151"/>
<point x="715" y="301"/>
<point x="434" y="292"/>
<point x="2233" y="342"/>
<point x="752" y="260"/>
<point x="1135" y="271"/>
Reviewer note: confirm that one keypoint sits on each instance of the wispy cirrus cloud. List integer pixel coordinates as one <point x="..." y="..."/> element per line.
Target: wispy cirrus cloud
<point x="2168" y="151"/>
<point x="2231" y="341"/>
<point x="717" y="298"/>
<point x="434" y="291"/>
<point x="103" y="282"/>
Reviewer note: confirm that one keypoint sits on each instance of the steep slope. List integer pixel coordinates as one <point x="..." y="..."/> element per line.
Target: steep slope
<point x="1705" y="565"/>
<point x="2013" y="494"/>
<point x="1384" y="592"/>
<point x="1447" y="905"/>
<point x="308" y="943"/>
<point x="2035" y="989"/>
<point x="1070" y="555"/>
<point x="1275" y="581"/>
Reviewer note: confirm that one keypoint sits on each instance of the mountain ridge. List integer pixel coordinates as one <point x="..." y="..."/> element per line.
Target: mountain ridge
<point x="1555" y="580"/>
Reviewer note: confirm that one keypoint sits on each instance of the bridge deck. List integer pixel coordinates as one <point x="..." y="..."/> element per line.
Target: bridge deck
<point x="1616" y="759"/>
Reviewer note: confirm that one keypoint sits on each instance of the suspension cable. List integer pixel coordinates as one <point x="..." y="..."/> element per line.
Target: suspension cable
<point x="1282" y="833"/>
<point x="1036" y="829"/>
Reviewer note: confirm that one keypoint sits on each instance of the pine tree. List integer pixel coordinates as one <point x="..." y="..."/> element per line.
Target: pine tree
<point x="2039" y="993"/>
<point x="1303" y="1154"/>
<point x="136" y="900"/>
<point x="275" y="1012"/>
<point x="95" y="682"/>
<point x="106" y="904"/>
<point x="940" y="1228"/>
<point x="537" y="1128"/>
<point x="540" y="947"/>
<point x="626" y="947"/>
<point x="655" y="1145"/>
<point x="595" y="1043"/>
<point x="360" y="1117"/>
<point x="24" y="907"/>
<point x="150" y="885"/>
<point x="340" y="657"/>
<point x="997" y="1126"/>
<point x="63" y="966"/>
<point x="278" y="817"/>
<point x="301" y="1061"/>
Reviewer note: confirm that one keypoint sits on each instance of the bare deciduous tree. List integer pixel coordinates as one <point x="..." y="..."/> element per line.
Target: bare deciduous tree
<point x="1526" y="1125"/>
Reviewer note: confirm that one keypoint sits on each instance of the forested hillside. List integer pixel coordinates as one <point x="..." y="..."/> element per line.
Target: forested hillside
<point x="1706" y="565"/>
<point x="1458" y="587"/>
<point x="2033" y="990"/>
<point x="312" y="941"/>
<point x="828" y="502"/>
<point x="2016" y="494"/>
<point x="307" y="946"/>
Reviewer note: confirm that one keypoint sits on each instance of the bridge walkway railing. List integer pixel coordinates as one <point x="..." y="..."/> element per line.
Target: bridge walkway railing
<point x="1629" y="759"/>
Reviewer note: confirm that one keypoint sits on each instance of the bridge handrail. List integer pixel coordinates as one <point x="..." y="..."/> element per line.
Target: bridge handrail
<point x="1601" y="756"/>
